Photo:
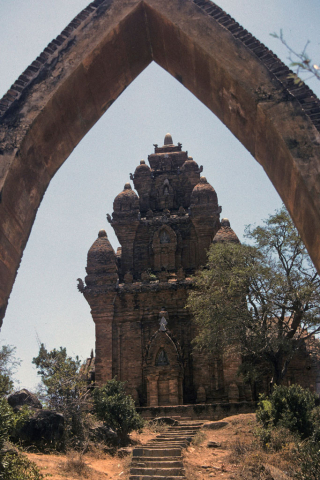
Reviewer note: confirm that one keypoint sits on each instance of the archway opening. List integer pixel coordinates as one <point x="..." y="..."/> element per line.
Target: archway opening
<point x="187" y="116"/>
<point x="45" y="301"/>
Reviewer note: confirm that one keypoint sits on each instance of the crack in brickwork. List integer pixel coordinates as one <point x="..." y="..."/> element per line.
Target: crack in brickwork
<point x="307" y="99"/>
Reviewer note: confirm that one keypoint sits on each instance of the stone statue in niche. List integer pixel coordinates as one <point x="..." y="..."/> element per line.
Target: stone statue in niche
<point x="163" y="315"/>
<point x="162" y="359"/>
<point x="164" y="237"/>
<point x="166" y="186"/>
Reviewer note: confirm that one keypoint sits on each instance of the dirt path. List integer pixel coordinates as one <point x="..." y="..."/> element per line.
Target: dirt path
<point x="201" y="460"/>
<point x="92" y="466"/>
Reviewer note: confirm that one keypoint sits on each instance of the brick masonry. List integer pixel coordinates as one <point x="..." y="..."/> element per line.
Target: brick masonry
<point x="82" y="72"/>
<point x="137" y="297"/>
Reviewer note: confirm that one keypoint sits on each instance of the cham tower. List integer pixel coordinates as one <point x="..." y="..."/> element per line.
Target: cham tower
<point x="137" y="295"/>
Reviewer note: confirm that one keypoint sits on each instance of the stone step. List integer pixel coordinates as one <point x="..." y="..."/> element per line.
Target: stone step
<point x="151" y="477"/>
<point x="156" y="459"/>
<point x="183" y="429"/>
<point x="142" y="462"/>
<point x="158" y="472"/>
<point x="166" y="446"/>
<point x="177" y="417"/>
<point x="160" y="459"/>
<point x="168" y="440"/>
<point x="165" y="436"/>
<point x="188" y="424"/>
<point x="157" y="452"/>
<point x="167" y="443"/>
<point x="171" y="439"/>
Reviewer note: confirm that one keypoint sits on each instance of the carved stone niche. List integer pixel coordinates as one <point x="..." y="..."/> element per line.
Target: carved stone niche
<point x="164" y="247"/>
<point x="163" y="371"/>
<point x="165" y="194"/>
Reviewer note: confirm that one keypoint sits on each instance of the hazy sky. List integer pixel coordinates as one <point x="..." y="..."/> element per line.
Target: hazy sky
<point x="45" y="304"/>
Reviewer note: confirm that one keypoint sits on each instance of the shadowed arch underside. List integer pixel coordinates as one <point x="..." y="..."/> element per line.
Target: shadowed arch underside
<point x="65" y="91"/>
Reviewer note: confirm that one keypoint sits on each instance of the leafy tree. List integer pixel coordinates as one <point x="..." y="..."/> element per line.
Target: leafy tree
<point x="64" y="387"/>
<point x="116" y="409"/>
<point x="262" y="300"/>
<point x="8" y="364"/>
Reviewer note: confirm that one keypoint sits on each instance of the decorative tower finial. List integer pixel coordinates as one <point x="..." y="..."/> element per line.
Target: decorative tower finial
<point x="168" y="139"/>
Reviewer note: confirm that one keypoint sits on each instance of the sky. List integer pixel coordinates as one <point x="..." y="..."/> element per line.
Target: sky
<point x="45" y="305"/>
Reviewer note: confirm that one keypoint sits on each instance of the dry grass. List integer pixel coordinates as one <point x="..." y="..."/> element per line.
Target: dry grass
<point x="199" y="438"/>
<point x="75" y="465"/>
<point x="255" y="462"/>
<point x="158" y="427"/>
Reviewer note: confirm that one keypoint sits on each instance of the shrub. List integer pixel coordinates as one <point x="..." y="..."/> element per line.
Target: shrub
<point x="18" y="467"/>
<point x="116" y="409"/>
<point x="315" y="417"/>
<point x="6" y="421"/>
<point x="14" y="466"/>
<point x="308" y="456"/>
<point x="288" y="407"/>
<point x="276" y="438"/>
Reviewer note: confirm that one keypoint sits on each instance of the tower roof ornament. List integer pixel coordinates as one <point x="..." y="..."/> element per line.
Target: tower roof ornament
<point x="168" y="139"/>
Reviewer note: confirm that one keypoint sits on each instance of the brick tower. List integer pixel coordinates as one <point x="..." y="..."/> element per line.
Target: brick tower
<point x="137" y="295"/>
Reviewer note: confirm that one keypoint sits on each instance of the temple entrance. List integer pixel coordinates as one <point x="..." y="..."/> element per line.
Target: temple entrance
<point x="163" y="371"/>
<point x="164" y="388"/>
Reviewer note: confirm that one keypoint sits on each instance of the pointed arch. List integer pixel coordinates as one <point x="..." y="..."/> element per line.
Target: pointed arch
<point x="163" y="370"/>
<point x="81" y="73"/>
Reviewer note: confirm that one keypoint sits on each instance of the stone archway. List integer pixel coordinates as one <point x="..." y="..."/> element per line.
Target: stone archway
<point x="81" y="73"/>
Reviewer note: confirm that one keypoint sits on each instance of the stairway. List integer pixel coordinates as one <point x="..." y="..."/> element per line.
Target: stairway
<point x="161" y="458"/>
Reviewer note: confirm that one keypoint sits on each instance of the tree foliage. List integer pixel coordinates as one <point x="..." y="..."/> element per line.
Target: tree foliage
<point x="65" y="389"/>
<point x="290" y="415"/>
<point x="261" y="300"/>
<point x="289" y="407"/>
<point x="8" y="364"/>
<point x="6" y="421"/>
<point x="116" y="409"/>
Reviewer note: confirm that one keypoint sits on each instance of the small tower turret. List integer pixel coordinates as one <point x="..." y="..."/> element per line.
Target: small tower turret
<point x="101" y="262"/>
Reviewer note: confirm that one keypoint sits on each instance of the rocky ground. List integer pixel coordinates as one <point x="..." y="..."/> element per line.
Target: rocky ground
<point x="230" y="453"/>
